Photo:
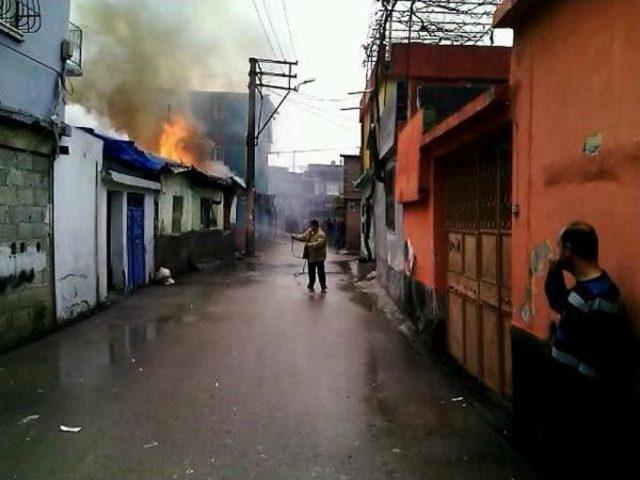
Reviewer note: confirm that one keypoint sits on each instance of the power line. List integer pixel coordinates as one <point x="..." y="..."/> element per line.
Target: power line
<point x="286" y="17"/>
<point x="264" y="29"/>
<point x="275" y="32"/>
<point x="336" y="113"/>
<point x="317" y="114"/>
<point x="312" y="150"/>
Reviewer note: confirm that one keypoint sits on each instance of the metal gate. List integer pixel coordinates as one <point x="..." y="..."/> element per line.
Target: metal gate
<point x="135" y="240"/>
<point x="478" y="219"/>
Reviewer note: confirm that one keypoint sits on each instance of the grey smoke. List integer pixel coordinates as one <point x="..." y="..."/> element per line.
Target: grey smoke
<point x="142" y="56"/>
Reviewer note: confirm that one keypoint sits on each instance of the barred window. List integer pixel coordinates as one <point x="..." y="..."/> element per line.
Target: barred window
<point x="21" y="16"/>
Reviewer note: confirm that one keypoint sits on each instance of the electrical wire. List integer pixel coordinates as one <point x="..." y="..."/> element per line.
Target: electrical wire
<point x="319" y="116"/>
<point x="264" y="29"/>
<point x="275" y="32"/>
<point x="286" y="17"/>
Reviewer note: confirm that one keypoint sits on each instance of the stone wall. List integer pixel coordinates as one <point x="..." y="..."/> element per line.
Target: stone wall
<point x="26" y="294"/>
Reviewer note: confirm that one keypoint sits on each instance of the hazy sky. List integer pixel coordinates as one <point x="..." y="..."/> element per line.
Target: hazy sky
<point x="328" y="37"/>
<point x="205" y="44"/>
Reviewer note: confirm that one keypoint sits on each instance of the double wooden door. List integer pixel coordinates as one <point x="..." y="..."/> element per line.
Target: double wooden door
<point x="478" y="221"/>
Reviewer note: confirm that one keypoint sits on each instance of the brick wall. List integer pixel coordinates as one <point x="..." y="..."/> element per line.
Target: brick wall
<point x="26" y="294"/>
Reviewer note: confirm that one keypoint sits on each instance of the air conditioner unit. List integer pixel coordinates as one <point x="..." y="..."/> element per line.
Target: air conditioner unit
<point x="68" y="50"/>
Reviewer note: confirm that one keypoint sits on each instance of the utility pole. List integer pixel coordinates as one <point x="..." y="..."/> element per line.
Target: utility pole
<point x="250" y="222"/>
<point x="258" y="72"/>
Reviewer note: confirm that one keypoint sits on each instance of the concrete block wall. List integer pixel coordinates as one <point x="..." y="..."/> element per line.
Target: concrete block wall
<point x="26" y="294"/>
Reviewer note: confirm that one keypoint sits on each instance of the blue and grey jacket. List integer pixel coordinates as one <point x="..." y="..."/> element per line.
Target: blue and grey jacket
<point x="591" y="335"/>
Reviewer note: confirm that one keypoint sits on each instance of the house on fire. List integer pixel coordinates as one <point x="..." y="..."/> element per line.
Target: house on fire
<point x="120" y="213"/>
<point x="223" y="116"/>
<point x="195" y="214"/>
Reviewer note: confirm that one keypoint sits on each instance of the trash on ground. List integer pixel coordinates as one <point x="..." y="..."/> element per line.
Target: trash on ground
<point x="396" y="450"/>
<point x="151" y="445"/>
<point x="457" y="399"/>
<point x="29" y="419"/>
<point x="163" y="277"/>
<point x="64" y="428"/>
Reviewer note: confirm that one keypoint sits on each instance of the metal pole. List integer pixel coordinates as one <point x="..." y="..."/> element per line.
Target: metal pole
<point x="250" y="246"/>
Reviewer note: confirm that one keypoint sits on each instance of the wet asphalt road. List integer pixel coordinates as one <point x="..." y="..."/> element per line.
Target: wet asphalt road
<point x="239" y="374"/>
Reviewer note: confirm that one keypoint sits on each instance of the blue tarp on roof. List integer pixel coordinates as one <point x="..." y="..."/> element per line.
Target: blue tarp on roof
<point x="127" y="152"/>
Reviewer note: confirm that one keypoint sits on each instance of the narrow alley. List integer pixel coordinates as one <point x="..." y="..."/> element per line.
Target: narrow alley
<point x="240" y="374"/>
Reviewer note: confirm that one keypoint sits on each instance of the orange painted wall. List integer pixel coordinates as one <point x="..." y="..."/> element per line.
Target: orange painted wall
<point x="413" y="189"/>
<point x="408" y="160"/>
<point x="575" y="73"/>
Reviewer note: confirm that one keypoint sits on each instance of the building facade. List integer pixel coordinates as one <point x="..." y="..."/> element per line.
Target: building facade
<point x="352" y="172"/>
<point x="194" y="217"/>
<point x="35" y="54"/>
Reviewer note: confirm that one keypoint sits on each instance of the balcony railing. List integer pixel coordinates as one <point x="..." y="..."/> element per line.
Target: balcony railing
<point x="73" y="50"/>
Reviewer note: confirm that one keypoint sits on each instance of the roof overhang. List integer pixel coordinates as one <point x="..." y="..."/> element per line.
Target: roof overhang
<point x="491" y="109"/>
<point x="510" y="13"/>
<point x="123" y="180"/>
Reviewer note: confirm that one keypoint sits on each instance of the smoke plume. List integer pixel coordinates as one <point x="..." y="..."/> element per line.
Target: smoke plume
<point x="142" y="56"/>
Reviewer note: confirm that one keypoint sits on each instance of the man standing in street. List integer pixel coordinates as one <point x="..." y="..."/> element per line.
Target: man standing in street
<point x="315" y="242"/>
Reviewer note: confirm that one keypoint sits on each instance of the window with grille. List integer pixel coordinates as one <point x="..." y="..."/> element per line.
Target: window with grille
<point x="20" y="16"/>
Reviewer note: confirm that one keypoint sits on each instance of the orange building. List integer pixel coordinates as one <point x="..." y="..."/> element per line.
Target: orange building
<point x="453" y="180"/>
<point x="576" y="155"/>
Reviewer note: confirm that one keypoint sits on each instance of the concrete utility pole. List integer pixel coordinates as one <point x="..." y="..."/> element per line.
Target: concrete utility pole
<point x="250" y="223"/>
<point x="256" y="83"/>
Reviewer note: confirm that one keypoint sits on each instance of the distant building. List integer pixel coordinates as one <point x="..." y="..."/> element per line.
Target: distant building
<point x="293" y="192"/>
<point x="39" y="48"/>
<point x="299" y="197"/>
<point x="327" y="189"/>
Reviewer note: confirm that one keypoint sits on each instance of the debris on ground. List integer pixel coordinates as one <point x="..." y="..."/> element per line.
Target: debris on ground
<point x="64" y="428"/>
<point x="151" y="445"/>
<point x="29" y="419"/>
<point x="457" y="399"/>
<point x="372" y="276"/>
<point x="163" y="277"/>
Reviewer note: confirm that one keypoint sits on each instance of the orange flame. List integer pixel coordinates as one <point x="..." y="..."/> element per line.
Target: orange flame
<point x="183" y="140"/>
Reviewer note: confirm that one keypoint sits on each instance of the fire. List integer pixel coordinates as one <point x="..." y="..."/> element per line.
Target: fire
<point x="184" y="141"/>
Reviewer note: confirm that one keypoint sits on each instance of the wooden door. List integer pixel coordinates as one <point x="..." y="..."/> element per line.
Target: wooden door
<point x="478" y="220"/>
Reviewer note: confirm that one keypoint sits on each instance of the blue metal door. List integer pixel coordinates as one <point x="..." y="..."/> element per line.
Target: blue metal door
<point x="135" y="240"/>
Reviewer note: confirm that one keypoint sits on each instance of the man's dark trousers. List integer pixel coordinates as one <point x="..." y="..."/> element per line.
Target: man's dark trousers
<point x="319" y="266"/>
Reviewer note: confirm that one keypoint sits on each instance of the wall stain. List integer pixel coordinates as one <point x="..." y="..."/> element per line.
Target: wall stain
<point x="16" y="281"/>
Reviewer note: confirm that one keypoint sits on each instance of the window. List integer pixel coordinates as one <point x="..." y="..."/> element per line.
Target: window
<point x="402" y="102"/>
<point x="218" y="154"/>
<point x="208" y="218"/>
<point x="218" y="110"/>
<point x="176" y="218"/>
<point x="20" y="16"/>
<point x="333" y="188"/>
<point x="389" y="190"/>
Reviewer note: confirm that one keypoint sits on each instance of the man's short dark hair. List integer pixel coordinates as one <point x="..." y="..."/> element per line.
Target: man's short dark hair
<point x="314" y="223"/>
<point x="582" y="239"/>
